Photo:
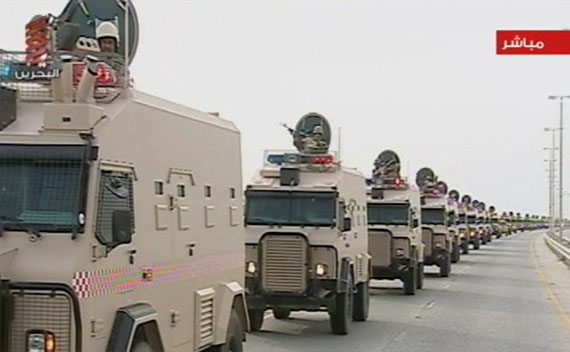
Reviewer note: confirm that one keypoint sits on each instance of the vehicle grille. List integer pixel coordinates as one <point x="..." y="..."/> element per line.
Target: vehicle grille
<point x="284" y="259"/>
<point x="41" y="311"/>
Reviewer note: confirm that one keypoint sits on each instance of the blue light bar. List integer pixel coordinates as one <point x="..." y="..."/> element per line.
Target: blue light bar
<point x="276" y="159"/>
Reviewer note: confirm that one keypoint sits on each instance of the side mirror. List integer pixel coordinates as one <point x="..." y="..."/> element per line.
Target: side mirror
<point x="122" y="227"/>
<point x="415" y="223"/>
<point x="346" y="224"/>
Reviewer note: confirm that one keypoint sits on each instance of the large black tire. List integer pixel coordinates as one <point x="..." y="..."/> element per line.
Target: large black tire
<point x="255" y="319"/>
<point x="361" y="302"/>
<point x="281" y="313"/>
<point x="445" y="268"/>
<point x="420" y="273"/>
<point x="341" y="317"/>
<point x="477" y="243"/>
<point x="489" y="238"/>
<point x="465" y="247"/>
<point x="455" y="253"/>
<point x="234" y="342"/>
<point x="483" y="239"/>
<point x="410" y="280"/>
<point x="142" y="346"/>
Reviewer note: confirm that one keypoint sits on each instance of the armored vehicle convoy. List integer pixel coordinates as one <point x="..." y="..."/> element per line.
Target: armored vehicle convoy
<point x="118" y="232"/>
<point x="436" y="237"/>
<point x="452" y="224"/>
<point x="306" y="233"/>
<point x="394" y="225"/>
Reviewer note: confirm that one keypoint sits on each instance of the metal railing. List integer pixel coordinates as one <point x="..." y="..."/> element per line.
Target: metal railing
<point x="560" y="247"/>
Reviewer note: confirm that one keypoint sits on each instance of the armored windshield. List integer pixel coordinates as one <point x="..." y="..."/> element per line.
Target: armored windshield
<point x="290" y="208"/>
<point x="461" y="219"/>
<point x="472" y="219"/>
<point x="41" y="187"/>
<point x="388" y="214"/>
<point x="433" y="216"/>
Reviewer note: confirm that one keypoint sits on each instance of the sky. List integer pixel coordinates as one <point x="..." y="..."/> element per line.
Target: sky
<point x="420" y="77"/>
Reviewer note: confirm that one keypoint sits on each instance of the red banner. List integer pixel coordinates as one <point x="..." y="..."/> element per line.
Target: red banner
<point x="533" y="42"/>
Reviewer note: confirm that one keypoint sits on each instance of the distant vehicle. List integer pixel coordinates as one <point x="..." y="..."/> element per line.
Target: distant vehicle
<point x="436" y="236"/>
<point x="119" y="231"/>
<point x="452" y="223"/>
<point x="394" y="225"/>
<point x="306" y="233"/>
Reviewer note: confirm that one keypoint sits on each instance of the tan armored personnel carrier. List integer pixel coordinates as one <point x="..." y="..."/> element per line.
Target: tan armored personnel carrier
<point x="465" y="229"/>
<point x="120" y="213"/>
<point x="497" y="228"/>
<point x="394" y="225"/>
<point x="436" y="237"/>
<point x="480" y="238"/>
<point x="452" y="223"/>
<point x="472" y="228"/>
<point x="306" y="234"/>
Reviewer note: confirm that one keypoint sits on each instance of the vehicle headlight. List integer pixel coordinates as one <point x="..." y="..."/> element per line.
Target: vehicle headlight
<point x="40" y="341"/>
<point x="399" y="252"/>
<point x="251" y="267"/>
<point x="321" y="269"/>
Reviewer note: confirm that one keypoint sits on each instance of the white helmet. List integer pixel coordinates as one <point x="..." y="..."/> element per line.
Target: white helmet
<point x="107" y="30"/>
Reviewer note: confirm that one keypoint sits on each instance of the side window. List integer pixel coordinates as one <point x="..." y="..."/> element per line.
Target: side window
<point x="232" y="193"/>
<point x="115" y="196"/>
<point x="181" y="191"/>
<point x="158" y="188"/>
<point x="208" y="191"/>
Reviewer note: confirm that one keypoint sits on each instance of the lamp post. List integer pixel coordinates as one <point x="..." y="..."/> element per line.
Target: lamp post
<point x="551" y="175"/>
<point x="560" y="159"/>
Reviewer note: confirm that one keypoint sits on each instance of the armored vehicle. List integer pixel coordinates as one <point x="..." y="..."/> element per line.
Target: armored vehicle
<point x="497" y="228"/>
<point x="118" y="229"/>
<point x="306" y="234"/>
<point x="436" y="237"/>
<point x="394" y="225"/>
<point x="465" y="229"/>
<point x="473" y="223"/>
<point x="452" y="224"/>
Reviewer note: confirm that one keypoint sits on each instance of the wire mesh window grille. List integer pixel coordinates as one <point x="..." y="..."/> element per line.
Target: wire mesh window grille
<point x="115" y="194"/>
<point x="41" y="187"/>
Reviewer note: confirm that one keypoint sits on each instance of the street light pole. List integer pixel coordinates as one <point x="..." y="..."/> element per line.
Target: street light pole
<point x="561" y="158"/>
<point x="551" y="172"/>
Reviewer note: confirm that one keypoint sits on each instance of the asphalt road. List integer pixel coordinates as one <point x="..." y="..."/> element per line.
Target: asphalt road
<point x="499" y="298"/>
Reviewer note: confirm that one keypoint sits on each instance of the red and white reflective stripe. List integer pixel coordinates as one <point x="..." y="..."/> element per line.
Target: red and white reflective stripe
<point x="87" y="284"/>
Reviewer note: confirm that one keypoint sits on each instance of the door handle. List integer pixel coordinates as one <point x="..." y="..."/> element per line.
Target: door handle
<point x="191" y="247"/>
<point x="132" y="254"/>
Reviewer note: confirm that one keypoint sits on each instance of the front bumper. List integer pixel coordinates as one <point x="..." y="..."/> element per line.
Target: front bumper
<point x="397" y="270"/>
<point x="318" y="295"/>
<point x="439" y="257"/>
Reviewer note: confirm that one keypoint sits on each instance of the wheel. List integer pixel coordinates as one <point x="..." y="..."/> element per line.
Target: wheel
<point x="234" y="342"/>
<point x="483" y="239"/>
<point x="410" y="278"/>
<point x="477" y="243"/>
<point x="465" y="247"/>
<point x="455" y="253"/>
<point x="341" y="317"/>
<point x="420" y="273"/>
<point x="489" y="238"/>
<point x="255" y="319"/>
<point x="281" y="313"/>
<point x="361" y="302"/>
<point x="445" y="267"/>
<point x="142" y="346"/>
